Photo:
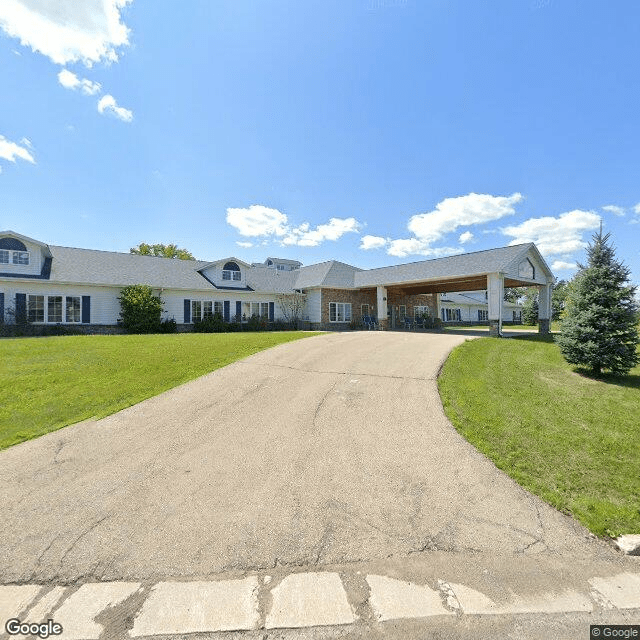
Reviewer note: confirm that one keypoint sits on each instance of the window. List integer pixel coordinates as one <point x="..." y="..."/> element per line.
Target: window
<point x="402" y="312"/>
<point x="340" y="312"/>
<point x="196" y="310"/>
<point x="217" y="307"/>
<point x="20" y="257"/>
<point x="517" y="316"/>
<point x="207" y="309"/>
<point x="35" y="308"/>
<point x="264" y="309"/>
<point x="421" y="311"/>
<point x="54" y="309"/>
<point x="483" y="315"/>
<point x="281" y="267"/>
<point x="4" y="256"/>
<point x="364" y="310"/>
<point x="231" y="271"/>
<point x="451" y="315"/>
<point x="73" y="309"/>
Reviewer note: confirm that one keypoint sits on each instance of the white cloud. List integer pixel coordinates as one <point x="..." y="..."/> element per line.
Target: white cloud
<point x="258" y="220"/>
<point x="245" y="245"/>
<point x="70" y="80"/>
<point x="451" y="213"/>
<point x="108" y="104"/>
<point x="616" y="210"/>
<point x="372" y="242"/>
<point x="67" y="31"/>
<point x="414" y="246"/>
<point x="303" y="236"/>
<point x="636" y="209"/>
<point x="11" y="150"/>
<point x="559" y="236"/>
<point x="561" y="265"/>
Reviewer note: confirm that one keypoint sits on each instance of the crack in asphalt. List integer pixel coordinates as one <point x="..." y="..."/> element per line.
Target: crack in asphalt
<point x="339" y="373"/>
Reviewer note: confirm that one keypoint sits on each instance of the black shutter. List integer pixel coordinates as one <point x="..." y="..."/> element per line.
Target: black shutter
<point x="1" y="308"/>
<point x="238" y="311"/>
<point x="21" y="307"/>
<point x="227" y="310"/>
<point x="187" y="311"/>
<point x="271" y="311"/>
<point x="86" y="309"/>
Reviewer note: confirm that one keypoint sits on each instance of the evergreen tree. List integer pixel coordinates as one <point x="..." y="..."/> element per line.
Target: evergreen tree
<point x="530" y="306"/>
<point x="599" y="326"/>
<point x="558" y="299"/>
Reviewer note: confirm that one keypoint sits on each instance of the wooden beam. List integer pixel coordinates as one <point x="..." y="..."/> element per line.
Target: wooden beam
<point x="478" y="283"/>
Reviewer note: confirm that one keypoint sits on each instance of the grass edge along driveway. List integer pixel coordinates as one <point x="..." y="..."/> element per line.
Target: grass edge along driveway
<point x="49" y="383"/>
<point x="572" y="440"/>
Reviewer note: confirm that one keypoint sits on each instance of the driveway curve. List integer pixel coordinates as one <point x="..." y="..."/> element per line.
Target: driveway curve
<point x="326" y="450"/>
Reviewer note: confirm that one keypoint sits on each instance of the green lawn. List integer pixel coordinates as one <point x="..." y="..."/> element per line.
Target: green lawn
<point x="572" y="440"/>
<point x="48" y="383"/>
<point x="555" y="326"/>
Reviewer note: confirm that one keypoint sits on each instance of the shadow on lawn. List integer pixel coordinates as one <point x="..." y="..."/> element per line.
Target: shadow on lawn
<point x="631" y="380"/>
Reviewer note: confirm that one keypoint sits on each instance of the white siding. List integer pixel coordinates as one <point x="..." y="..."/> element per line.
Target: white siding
<point x="105" y="306"/>
<point x="35" y="261"/>
<point x="313" y="308"/>
<point x="214" y="274"/>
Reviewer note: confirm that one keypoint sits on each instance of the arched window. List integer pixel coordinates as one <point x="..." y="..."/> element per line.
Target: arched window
<point x="13" y="251"/>
<point x="231" y="271"/>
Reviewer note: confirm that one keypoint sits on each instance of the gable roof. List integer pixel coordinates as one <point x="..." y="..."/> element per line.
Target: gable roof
<point x="327" y="274"/>
<point x="465" y="264"/>
<point x="89" y="266"/>
<point x="12" y="234"/>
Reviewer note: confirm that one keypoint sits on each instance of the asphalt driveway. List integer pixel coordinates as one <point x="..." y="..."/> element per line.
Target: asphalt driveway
<point x="325" y="450"/>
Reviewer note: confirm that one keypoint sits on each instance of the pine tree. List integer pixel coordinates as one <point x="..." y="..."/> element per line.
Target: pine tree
<point x="599" y="329"/>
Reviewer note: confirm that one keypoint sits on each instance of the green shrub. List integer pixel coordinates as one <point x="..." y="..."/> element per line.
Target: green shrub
<point x="256" y="323"/>
<point x="140" y="310"/>
<point x="211" y="324"/>
<point x="169" y="325"/>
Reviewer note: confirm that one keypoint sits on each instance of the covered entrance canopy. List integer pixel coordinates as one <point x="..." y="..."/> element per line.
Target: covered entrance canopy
<point x="493" y="270"/>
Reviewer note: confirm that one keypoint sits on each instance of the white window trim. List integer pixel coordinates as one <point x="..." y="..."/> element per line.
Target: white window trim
<point x="230" y="275"/>
<point x="65" y="310"/>
<point x="345" y="306"/>
<point x="21" y="264"/>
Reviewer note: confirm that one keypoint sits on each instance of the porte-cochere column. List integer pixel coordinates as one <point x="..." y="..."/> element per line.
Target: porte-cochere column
<point x="495" y="295"/>
<point x="544" y="308"/>
<point x="382" y="307"/>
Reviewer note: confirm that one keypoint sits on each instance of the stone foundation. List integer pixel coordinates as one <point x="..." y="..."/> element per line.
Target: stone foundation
<point x="494" y="328"/>
<point x="544" y="326"/>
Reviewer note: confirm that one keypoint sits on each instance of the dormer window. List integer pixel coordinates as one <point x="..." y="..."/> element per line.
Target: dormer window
<point x="231" y="271"/>
<point x="20" y="257"/>
<point x="12" y="251"/>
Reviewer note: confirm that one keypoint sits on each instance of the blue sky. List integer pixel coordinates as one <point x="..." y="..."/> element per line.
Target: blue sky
<point x="368" y="131"/>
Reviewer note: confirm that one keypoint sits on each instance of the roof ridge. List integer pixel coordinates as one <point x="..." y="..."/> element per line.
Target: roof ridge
<point x="123" y="253"/>
<point x="455" y="255"/>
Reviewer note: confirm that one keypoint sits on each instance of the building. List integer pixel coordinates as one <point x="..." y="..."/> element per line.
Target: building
<point x="80" y="287"/>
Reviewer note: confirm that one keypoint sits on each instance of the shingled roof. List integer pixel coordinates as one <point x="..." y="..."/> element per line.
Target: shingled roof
<point x="89" y="266"/>
<point x="465" y="264"/>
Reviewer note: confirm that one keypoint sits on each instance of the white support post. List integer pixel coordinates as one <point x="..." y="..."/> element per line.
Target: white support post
<point x="382" y="306"/>
<point x="544" y="308"/>
<point x="495" y="291"/>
